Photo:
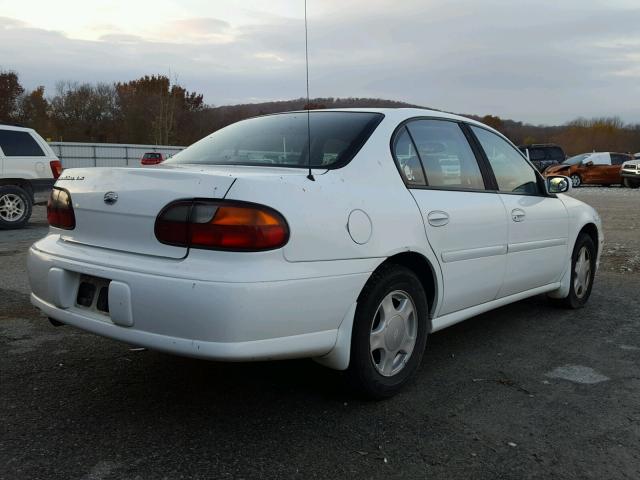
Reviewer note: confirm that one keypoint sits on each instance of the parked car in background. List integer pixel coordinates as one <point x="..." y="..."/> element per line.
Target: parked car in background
<point x="28" y="167"/>
<point x="152" y="158"/>
<point x="630" y="173"/>
<point x="637" y="155"/>
<point x="543" y="155"/>
<point x="600" y="168"/>
<point x="350" y="247"/>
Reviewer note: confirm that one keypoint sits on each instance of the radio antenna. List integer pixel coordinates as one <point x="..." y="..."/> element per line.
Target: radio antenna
<point x="306" y="58"/>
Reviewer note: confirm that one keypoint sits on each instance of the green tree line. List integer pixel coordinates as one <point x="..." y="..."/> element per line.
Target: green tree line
<point x="154" y="109"/>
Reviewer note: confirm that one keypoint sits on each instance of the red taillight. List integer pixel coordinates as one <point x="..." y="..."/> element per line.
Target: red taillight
<point x="60" y="210"/>
<point x="221" y="225"/>
<point x="56" y="168"/>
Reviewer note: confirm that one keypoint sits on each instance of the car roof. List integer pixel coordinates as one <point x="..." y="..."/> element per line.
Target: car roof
<point x="16" y="127"/>
<point x="404" y="113"/>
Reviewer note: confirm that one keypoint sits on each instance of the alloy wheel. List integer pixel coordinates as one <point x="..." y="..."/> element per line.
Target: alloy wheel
<point x="576" y="180"/>
<point x="12" y="207"/>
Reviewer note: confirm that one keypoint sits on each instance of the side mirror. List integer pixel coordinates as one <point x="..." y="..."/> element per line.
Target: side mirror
<point x="588" y="164"/>
<point x="558" y="184"/>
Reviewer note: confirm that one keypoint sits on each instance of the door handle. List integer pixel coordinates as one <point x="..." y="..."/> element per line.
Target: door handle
<point x="517" y="215"/>
<point x="437" y="218"/>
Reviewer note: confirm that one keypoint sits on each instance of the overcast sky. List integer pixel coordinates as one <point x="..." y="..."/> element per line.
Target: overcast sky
<point x="538" y="61"/>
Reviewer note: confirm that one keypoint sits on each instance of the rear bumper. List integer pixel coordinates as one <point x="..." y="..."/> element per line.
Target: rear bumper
<point x="234" y="321"/>
<point x="304" y="345"/>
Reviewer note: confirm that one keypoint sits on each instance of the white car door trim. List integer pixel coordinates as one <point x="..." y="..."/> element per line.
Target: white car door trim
<point x="471" y="253"/>
<point x="534" y="245"/>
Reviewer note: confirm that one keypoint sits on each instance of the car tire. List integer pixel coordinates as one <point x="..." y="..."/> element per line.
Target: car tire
<point x="16" y="206"/>
<point x="584" y="253"/>
<point x="630" y="183"/>
<point x="389" y="332"/>
<point x="576" y="180"/>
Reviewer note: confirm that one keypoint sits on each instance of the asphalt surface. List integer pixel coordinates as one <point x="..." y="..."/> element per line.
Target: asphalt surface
<point x="525" y="391"/>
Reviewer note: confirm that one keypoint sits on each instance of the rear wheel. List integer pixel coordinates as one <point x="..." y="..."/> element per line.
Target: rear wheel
<point x="389" y="332"/>
<point x="576" y="180"/>
<point x="583" y="267"/>
<point x="15" y="207"/>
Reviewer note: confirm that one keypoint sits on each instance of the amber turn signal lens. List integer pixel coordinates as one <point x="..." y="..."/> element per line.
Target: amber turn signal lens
<point x="222" y="225"/>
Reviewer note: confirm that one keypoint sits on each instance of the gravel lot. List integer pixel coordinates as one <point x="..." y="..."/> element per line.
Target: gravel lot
<point x="526" y="391"/>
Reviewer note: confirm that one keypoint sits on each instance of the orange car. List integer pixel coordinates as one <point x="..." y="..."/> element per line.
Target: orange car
<point x="602" y="168"/>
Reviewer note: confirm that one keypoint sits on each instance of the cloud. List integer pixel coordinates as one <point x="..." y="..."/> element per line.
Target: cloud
<point x="543" y="61"/>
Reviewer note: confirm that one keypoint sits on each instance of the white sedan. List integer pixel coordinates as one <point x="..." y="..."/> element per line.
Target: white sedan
<point x="406" y="222"/>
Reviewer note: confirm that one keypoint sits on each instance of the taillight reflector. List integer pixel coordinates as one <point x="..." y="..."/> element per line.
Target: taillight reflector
<point x="60" y="210"/>
<point x="221" y="225"/>
<point x="56" y="168"/>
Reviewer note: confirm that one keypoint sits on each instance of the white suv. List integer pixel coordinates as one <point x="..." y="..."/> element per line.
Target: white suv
<point x="408" y="221"/>
<point x="28" y="167"/>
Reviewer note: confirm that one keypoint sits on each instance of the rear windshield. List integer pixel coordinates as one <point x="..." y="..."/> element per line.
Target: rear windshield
<point x="546" y="153"/>
<point x="151" y="155"/>
<point x="282" y="140"/>
<point x="556" y="153"/>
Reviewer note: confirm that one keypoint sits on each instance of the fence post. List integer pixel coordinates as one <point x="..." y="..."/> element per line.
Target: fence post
<point x="95" y="157"/>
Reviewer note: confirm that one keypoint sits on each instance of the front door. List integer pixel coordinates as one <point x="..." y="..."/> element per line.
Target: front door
<point x="465" y="224"/>
<point x="538" y="226"/>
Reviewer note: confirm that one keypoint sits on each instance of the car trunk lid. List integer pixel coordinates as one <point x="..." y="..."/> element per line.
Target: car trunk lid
<point x="116" y="208"/>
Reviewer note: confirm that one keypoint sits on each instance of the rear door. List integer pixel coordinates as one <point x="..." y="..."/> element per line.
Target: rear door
<point x="538" y="226"/>
<point x="617" y="159"/>
<point x="465" y="224"/>
<point x="23" y="157"/>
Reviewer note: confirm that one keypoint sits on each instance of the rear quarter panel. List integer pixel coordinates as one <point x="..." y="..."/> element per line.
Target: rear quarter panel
<point x="318" y="211"/>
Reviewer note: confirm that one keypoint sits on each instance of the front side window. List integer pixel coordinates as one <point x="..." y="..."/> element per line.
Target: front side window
<point x="511" y="170"/>
<point x="446" y="156"/>
<point x="282" y="140"/>
<point x="576" y="160"/>
<point x="19" y="144"/>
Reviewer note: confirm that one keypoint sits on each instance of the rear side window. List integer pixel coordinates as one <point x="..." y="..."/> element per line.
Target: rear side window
<point x="282" y="140"/>
<point x="619" y="158"/>
<point x="446" y="156"/>
<point x="19" y="144"/>
<point x="407" y="158"/>
<point x="511" y="170"/>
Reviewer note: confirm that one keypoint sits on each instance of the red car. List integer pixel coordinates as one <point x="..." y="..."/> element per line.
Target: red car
<point x="152" y="158"/>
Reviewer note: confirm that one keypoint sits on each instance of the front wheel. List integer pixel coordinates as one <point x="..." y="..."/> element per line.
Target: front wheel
<point x="576" y="180"/>
<point x="389" y="332"/>
<point x="15" y="207"/>
<point x="583" y="269"/>
<point x="631" y="183"/>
